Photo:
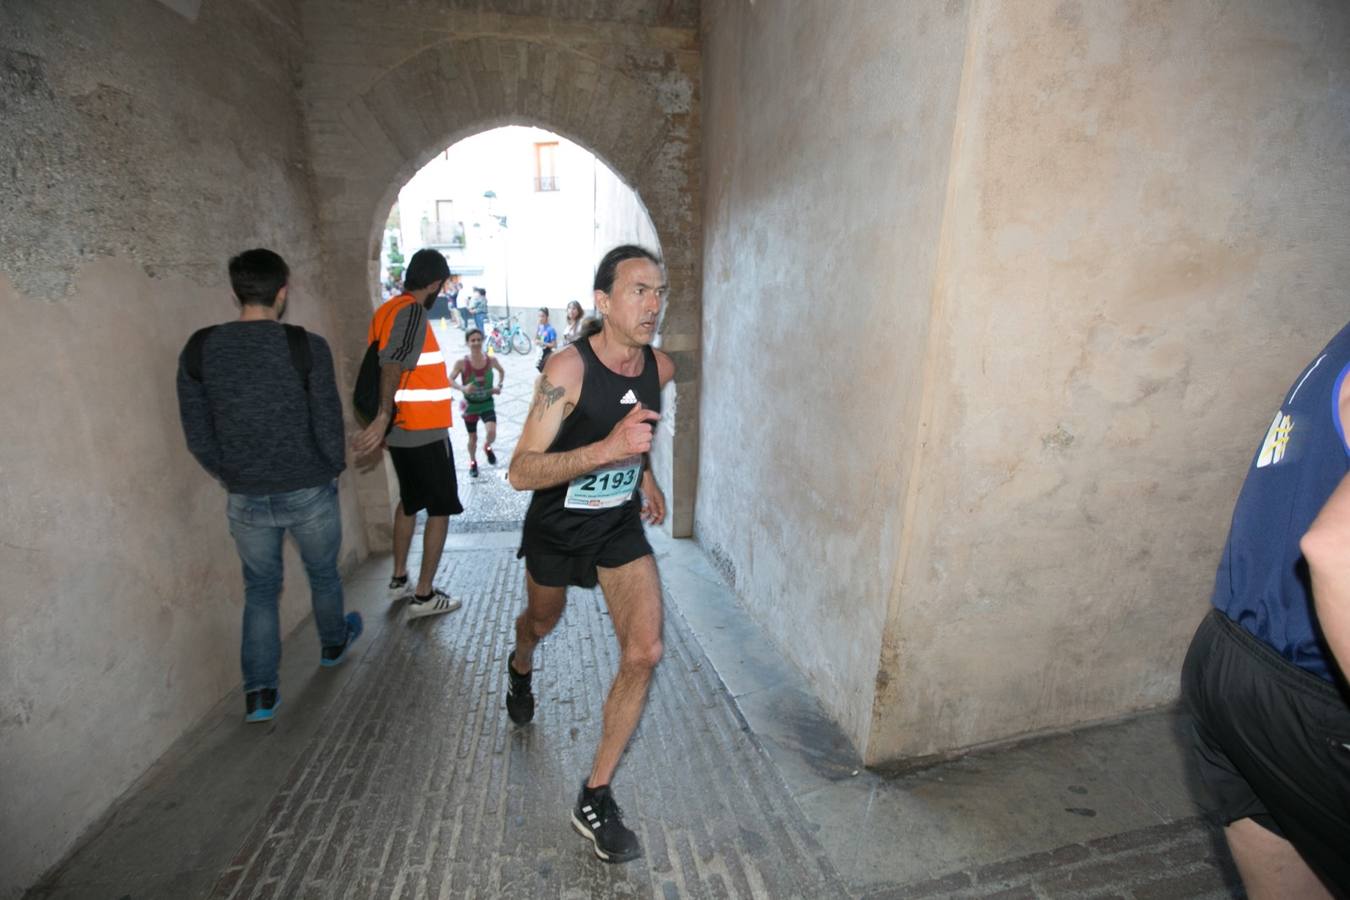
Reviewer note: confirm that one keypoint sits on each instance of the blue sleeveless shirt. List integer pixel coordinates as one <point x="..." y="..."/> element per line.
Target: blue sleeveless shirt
<point x="1263" y="582"/>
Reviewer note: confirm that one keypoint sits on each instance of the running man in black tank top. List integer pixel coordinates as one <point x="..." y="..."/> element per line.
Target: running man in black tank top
<point x="583" y="452"/>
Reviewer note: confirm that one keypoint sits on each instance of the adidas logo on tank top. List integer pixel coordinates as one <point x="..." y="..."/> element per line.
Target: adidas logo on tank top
<point x="629" y="398"/>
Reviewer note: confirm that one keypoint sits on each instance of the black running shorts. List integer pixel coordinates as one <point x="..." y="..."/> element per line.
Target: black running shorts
<point x="426" y="478"/>
<point x="1273" y="744"/>
<point x="579" y="570"/>
<point x="471" y="419"/>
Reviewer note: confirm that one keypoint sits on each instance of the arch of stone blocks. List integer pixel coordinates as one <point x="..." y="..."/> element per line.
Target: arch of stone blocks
<point x="378" y="135"/>
<point x="441" y="84"/>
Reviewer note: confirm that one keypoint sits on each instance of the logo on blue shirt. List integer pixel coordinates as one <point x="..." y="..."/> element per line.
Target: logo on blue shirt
<point x="1277" y="440"/>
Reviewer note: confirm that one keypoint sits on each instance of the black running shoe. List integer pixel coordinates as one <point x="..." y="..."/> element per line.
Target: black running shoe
<point x="473" y="469"/>
<point x="598" y="818"/>
<point x="519" y="695"/>
<point x="332" y="656"/>
<point x="261" y="706"/>
<point x="492" y="457"/>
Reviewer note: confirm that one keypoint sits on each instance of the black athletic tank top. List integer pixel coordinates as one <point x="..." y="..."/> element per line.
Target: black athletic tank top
<point x="572" y="517"/>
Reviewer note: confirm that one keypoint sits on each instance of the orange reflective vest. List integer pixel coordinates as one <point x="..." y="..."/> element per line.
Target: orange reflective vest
<point x="422" y="400"/>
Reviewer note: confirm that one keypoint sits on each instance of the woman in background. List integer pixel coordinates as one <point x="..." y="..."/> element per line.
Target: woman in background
<point x="572" y="330"/>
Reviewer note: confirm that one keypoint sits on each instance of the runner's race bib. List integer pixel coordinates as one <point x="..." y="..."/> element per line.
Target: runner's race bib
<point x="477" y="391"/>
<point x="604" y="488"/>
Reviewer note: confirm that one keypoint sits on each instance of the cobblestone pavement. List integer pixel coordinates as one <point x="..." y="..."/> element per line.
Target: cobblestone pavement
<point x="490" y="503"/>
<point x="421" y="787"/>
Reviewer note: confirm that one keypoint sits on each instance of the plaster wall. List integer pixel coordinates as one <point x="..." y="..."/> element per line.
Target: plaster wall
<point x="827" y="137"/>
<point x="1145" y="242"/>
<point x="387" y="84"/>
<point x="620" y="218"/>
<point x="140" y="149"/>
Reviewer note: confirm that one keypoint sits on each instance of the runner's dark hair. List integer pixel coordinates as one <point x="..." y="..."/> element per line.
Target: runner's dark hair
<point x="609" y="264"/>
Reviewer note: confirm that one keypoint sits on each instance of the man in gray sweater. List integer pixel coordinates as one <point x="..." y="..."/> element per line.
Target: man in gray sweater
<point x="261" y="413"/>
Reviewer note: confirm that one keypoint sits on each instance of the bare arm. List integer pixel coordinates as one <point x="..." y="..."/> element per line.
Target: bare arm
<point x="653" y="498"/>
<point x="458" y="372"/>
<point x="1327" y="549"/>
<point x="555" y="395"/>
<point x="501" y="376"/>
<point x="1326" y="546"/>
<point x="665" y="367"/>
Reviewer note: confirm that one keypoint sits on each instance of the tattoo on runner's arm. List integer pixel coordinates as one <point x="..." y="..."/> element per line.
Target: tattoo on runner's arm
<point x="546" y="395"/>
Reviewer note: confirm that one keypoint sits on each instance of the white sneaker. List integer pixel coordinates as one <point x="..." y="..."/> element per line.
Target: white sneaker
<point x="438" y="603"/>
<point x="399" y="588"/>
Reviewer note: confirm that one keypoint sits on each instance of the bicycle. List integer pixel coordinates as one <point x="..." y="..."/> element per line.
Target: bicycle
<point x="511" y="337"/>
<point x="494" y="340"/>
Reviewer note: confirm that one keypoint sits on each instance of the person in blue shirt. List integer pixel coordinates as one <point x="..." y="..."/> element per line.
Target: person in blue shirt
<point x="546" y="335"/>
<point x="1264" y="678"/>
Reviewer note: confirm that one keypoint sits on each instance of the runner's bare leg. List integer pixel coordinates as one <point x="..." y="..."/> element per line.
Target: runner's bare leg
<point x="543" y="608"/>
<point x="633" y="595"/>
<point x="404" y="526"/>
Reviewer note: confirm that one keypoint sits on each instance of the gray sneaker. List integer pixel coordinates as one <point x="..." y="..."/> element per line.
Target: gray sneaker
<point x="437" y="604"/>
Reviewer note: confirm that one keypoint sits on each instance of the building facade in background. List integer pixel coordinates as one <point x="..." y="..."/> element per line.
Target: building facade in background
<point x="522" y="212"/>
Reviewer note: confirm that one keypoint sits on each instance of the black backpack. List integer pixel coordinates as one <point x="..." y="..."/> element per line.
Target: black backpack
<point x="366" y="394"/>
<point x="296" y="341"/>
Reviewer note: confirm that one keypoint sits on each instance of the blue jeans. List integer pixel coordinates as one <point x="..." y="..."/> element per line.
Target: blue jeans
<point x="479" y="320"/>
<point x="258" y="524"/>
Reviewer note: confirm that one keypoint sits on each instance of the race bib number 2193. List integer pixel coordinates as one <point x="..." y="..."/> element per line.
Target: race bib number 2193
<point x="603" y="488"/>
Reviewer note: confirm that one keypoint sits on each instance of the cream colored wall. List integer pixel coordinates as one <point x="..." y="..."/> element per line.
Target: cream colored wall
<point x="620" y="218"/>
<point x="827" y="135"/>
<point x="1147" y="240"/>
<point x="140" y="151"/>
<point x="998" y="301"/>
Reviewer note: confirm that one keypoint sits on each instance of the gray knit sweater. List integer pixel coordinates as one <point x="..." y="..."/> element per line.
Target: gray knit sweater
<point x="250" y="422"/>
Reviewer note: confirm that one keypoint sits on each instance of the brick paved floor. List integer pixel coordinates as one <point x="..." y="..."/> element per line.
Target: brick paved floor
<point x="420" y="787"/>
<point x="1176" y="861"/>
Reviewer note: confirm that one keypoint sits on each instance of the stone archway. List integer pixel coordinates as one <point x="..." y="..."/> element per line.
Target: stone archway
<point x="627" y="93"/>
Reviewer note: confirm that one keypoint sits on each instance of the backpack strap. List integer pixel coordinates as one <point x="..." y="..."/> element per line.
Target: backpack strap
<point x="192" y="353"/>
<point x="298" y="342"/>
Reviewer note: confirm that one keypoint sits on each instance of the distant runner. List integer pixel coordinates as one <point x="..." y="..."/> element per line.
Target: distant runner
<point x="473" y="377"/>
